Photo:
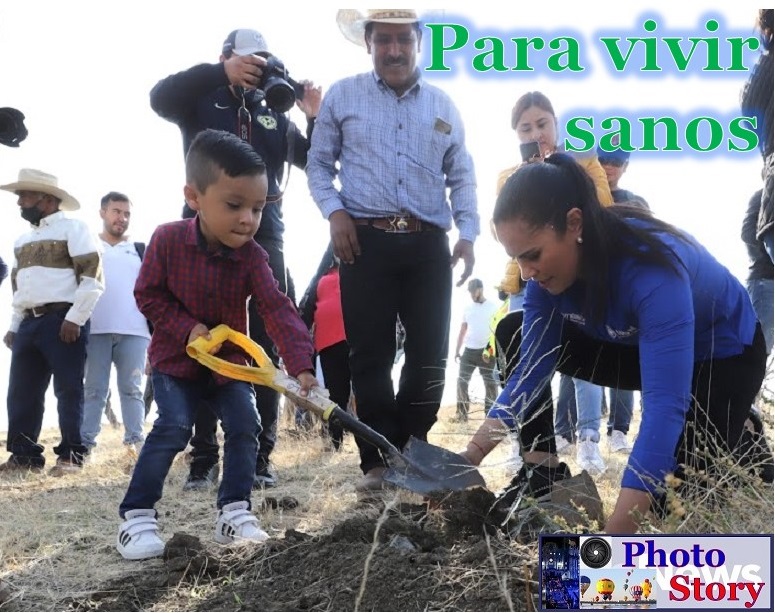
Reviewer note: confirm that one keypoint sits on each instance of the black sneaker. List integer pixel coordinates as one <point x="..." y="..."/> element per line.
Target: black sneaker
<point x="265" y="476"/>
<point x="202" y="478"/>
<point x="534" y="481"/>
<point x="16" y="465"/>
<point x="754" y="450"/>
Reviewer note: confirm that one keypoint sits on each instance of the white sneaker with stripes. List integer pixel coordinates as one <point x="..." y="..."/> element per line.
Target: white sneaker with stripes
<point x="138" y="537"/>
<point x="237" y="523"/>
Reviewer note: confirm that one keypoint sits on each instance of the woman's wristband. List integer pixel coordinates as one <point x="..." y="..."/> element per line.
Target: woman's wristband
<point x="479" y="447"/>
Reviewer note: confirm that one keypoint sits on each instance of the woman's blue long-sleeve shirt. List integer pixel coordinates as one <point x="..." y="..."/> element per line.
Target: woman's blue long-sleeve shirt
<point x="675" y="320"/>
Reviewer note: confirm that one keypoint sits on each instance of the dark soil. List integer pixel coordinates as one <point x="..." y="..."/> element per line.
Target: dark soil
<point x="414" y="558"/>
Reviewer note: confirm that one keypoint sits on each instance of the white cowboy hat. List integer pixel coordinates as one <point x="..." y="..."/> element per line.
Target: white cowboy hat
<point x="38" y="181"/>
<point x="352" y="22"/>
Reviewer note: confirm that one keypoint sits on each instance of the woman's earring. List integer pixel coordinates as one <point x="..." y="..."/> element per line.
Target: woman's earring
<point x="579" y="240"/>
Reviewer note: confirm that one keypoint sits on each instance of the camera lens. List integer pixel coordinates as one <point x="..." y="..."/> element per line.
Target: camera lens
<point x="595" y="553"/>
<point x="279" y="95"/>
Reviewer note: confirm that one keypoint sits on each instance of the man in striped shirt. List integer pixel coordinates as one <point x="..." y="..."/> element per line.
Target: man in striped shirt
<point x="397" y="146"/>
<point x="56" y="280"/>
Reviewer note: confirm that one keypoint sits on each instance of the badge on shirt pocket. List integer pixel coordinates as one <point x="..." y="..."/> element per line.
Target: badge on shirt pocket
<point x="442" y="126"/>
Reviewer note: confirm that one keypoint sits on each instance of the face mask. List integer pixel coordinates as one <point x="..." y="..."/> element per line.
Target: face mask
<point x="32" y="214"/>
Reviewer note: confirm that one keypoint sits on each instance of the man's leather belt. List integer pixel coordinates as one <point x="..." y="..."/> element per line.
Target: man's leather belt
<point x="41" y="310"/>
<point x="398" y="224"/>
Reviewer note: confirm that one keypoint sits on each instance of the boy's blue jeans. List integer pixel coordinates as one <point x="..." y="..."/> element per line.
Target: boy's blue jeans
<point x="177" y="399"/>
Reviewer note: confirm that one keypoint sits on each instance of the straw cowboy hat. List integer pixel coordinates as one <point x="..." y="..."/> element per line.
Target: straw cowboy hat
<point x="38" y="181"/>
<point x="352" y="22"/>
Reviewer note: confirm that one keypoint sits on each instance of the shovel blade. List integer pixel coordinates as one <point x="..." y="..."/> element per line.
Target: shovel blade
<point x="424" y="468"/>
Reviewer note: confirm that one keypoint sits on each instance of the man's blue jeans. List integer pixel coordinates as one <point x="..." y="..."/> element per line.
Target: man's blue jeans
<point x="177" y="399"/>
<point x="128" y="353"/>
<point x="578" y="409"/>
<point x="620" y="403"/>
<point x="760" y="291"/>
<point x="768" y="244"/>
<point x="37" y="354"/>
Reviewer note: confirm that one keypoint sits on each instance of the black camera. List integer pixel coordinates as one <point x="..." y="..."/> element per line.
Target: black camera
<point x="280" y="90"/>
<point x="12" y="128"/>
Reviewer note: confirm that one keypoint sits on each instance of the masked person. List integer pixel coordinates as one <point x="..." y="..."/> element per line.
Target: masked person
<point x="230" y="96"/>
<point x="57" y="280"/>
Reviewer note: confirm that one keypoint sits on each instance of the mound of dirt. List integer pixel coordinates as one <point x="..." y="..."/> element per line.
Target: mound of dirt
<point x="396" y="559"/>
<point x="449" y="555"/>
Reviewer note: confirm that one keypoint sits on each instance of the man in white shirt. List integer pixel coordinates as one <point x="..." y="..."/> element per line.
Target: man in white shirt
<point x="57" y="280"/>
<point x="474" y="334"/>
<point x="119" y="332"/>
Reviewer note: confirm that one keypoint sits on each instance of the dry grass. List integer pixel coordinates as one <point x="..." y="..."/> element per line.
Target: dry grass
<point x="57" y="534"/>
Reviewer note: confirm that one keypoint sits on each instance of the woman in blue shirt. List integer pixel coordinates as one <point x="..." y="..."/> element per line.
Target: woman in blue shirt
<point x="624" y="300"/>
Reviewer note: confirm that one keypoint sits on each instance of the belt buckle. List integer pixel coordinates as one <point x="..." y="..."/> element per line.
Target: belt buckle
<point x="38" y="311"/>
<point x="399" y="224"/>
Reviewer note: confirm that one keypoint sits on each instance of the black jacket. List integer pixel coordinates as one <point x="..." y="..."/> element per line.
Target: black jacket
<point x="310" y="299"/>
<point x="761" y="265"/>
<point x="199" y="98"/>
<point x="757" y="101"/>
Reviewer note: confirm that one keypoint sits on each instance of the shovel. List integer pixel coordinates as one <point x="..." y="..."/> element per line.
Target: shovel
<point x="422" y="468"/>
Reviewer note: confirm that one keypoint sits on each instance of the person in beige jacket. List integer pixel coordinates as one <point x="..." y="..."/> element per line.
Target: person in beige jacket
<point x="534" y="120"/>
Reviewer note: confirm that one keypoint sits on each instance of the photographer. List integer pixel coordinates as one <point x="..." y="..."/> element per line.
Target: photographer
<point x="230" y="96"/>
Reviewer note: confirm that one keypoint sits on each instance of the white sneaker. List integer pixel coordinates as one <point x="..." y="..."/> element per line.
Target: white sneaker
<point x="588" y="457"/>
<point x="138" y="537"/>
<point x="618" y="442"/>
<point x="564" y="446"/>
<point x="236" y="523"/>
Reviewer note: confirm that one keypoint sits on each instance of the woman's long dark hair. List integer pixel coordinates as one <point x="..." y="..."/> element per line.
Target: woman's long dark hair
<point x="542" y="193"/>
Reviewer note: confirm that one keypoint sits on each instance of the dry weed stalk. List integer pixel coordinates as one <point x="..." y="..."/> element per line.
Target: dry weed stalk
<point x="374" y="544"/>
<point x="499" y="577"/>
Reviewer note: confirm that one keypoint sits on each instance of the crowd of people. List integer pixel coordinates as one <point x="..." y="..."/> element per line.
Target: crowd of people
<point x="597" y="289"/>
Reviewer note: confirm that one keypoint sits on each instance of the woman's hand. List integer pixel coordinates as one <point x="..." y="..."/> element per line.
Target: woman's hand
<point x="630" y="505"/>
<point x="490" y="433"/>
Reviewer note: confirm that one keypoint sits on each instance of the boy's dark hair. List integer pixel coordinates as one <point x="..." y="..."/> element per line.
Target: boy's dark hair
<point x="115" y="197"/>
<point x="541" y="194"/>
<point x="213" y="151"/>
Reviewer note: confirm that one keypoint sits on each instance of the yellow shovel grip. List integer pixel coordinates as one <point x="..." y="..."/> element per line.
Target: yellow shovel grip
<point x="264" y="373"/>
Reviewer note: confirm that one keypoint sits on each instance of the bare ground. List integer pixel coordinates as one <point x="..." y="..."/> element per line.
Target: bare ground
<point x="329" y="552"/>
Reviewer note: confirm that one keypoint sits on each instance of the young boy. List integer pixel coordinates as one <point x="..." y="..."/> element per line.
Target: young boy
<point x="198" y="273"/>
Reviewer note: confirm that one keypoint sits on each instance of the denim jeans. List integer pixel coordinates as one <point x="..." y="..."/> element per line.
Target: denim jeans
<point x="127" y="352"/>
<point x="37" y="353"/>
<point x="621" y="403"/>
<point x="578" y="409"/>
<point x="589" y="399"/>
<point x="177" y="399"/>
<point x="760" y="291"/>
<point x="768" y="244"/>
<point x="565" y="416"/>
